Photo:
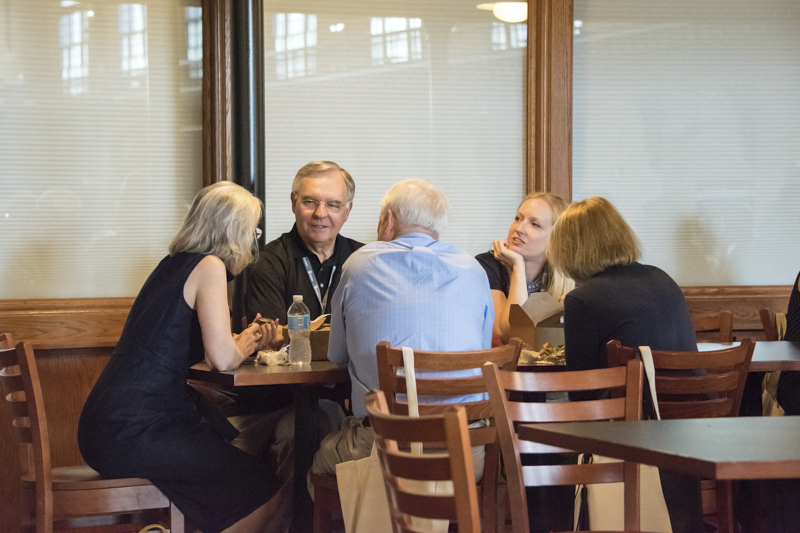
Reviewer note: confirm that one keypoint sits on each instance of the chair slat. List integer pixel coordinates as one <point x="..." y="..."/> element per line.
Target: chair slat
<point x="18" y="404"/>
<point x="566" y="412"/>
<point x="404" y="429"/>
<point x="429" y="467"/>
<point x="426" y="506"/>
<point x="697" y="384"/>
<point x="442" y="386"/>
<point x="690" y="360"/>
<point x="698" y="409"/>
<point x="448" y="361"/>
<point x="11" y="379"/>
<point x="546" y="475"/>
<point x="482" y="436"/>
<point x="8" y="357"/>
<point x="22" y="429"/>
<point x="475" y="410"/>
<point x="558" y="381"/>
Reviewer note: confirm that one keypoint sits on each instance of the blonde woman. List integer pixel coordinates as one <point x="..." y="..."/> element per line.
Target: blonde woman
<point x="619" y="298"/>
<point x="141" y="419"/>
<point x="517" y="266"/>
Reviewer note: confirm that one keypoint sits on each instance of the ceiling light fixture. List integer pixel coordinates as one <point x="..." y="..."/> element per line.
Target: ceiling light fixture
<point x="512" y="12"/>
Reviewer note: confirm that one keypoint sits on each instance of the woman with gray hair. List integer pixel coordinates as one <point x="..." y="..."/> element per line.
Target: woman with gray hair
<point x="141" y="418"/>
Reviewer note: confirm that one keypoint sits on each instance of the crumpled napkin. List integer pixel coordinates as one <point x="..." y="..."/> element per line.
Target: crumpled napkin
<point x="268" y="357"/>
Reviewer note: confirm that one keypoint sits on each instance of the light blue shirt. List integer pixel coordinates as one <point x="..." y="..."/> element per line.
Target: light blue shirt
<point x="413" y="291"/>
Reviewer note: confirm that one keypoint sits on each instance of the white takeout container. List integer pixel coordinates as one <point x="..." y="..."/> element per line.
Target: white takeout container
<point x="538" y="321"/>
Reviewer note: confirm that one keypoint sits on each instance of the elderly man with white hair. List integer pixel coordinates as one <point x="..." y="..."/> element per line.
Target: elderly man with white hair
<point x="412" y="290"/>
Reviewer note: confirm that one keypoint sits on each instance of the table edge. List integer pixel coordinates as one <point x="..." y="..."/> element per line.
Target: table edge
<point x="334" y="374"/>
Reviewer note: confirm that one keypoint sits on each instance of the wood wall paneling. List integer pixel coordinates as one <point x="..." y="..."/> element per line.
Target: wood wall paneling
<point x="217" y="159"/>
<point x="549" y="97"/>
<point x="744" y="301"/>
<point x="65" y="323"/>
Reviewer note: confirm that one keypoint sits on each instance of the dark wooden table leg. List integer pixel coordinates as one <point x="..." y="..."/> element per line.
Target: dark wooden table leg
<point x="306" y="443"/>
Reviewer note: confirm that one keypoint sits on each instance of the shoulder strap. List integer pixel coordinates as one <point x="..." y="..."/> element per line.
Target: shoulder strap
<point x="650" y="369"/>
<point x="411" y="389"/>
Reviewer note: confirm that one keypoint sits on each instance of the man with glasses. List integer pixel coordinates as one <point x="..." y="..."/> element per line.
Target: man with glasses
<point x="308" y="260"/>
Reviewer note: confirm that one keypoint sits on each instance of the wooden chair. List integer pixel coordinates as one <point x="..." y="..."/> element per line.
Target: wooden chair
<point x="449" y="427"/>
<point x="390" y="361"/>
<point x="326" y="494"/>
<point x="723" y="323"/>
<point x="63" y="497"/>
<point x="717" y="393"/>
<point x="509" y="413"/>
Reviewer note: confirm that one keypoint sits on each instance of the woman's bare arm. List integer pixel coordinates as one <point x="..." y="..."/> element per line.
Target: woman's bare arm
<point x="206" y="291"/>
<point x="517" y="288"/>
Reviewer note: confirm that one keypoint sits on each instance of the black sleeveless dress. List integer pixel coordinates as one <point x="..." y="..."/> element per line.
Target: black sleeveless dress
<point x="141" y="420"/>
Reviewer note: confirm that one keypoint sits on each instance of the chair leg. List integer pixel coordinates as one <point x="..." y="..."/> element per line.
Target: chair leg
<point x="176" y="522"/>
<point x="491" y="471"/>
<point x="325" y="503"/>
<point x="725" y="507"/>
<point x="322" y="520"/>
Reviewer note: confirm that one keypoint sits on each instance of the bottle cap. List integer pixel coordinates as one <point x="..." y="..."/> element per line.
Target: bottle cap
<point x="297" y="297"/>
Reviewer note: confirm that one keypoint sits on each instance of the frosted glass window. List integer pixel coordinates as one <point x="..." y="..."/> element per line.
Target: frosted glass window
<point x="400" y="90"/>
<point x="686" y="115"/>
<point x="94" y="182"/>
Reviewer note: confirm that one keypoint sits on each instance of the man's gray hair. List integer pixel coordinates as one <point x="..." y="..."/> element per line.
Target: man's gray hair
<point x="418" y="203"/>
<point x="318" y="167"/>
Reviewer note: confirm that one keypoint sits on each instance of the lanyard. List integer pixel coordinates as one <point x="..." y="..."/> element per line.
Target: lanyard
<point x="310" y="271"/>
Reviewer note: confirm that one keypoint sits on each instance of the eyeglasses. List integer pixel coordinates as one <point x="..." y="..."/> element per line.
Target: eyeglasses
<point x="258" y="233"/>
<point x="310" y="204"/>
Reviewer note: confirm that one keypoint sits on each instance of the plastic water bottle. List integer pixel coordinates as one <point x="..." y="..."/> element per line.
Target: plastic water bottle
<point x="299" y="331"/>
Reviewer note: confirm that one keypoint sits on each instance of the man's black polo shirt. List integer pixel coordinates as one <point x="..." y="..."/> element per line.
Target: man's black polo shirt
<point x="279" y="274"/>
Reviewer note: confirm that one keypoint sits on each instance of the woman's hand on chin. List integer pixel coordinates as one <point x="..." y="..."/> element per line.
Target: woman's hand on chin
<point x="504" y="255"/>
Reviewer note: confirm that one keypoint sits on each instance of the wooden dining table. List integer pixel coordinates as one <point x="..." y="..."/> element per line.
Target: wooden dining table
<point x="768" y="356"/>
<point x="306" y="381"/>
<point x="715" y="448"/>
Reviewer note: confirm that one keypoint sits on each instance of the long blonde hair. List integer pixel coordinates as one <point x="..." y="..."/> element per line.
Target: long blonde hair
<point x="557" y="283"/>
<point x="221" y="222"/>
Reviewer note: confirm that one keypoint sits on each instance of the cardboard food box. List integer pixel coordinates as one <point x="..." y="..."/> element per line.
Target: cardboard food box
<point x="319" y="344"/>
<point x="539" y="321"/>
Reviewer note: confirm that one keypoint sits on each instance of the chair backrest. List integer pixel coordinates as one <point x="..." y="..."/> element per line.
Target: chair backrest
<point x="509" y="413"/>
<point x="711" y="385"/>
<point x="722" y="322"/>
<point x="450" y="427"/>
<point x="768" y="321"/>
<point x="23" y="394"/>
<point x="390" y="360"/>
